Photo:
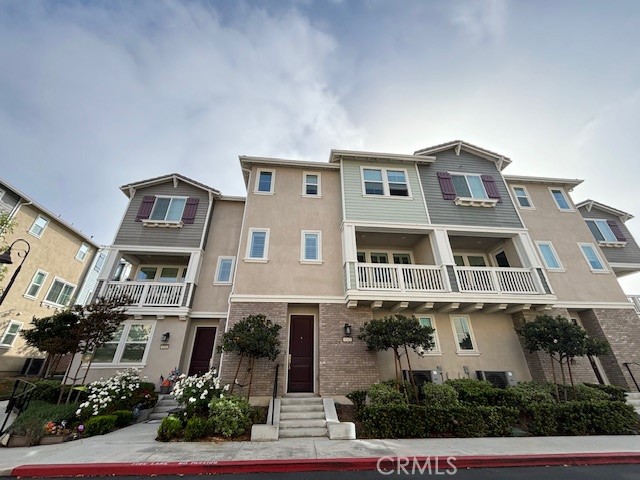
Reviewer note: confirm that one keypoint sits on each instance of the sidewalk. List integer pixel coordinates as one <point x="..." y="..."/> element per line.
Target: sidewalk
<point x="136" y="445"/>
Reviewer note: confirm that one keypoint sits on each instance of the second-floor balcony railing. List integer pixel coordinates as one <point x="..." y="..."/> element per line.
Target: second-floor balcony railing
<point x="635" y="299"/>
<point x="497" y="280"/>
<point x="376" y="276"/>
<point x="147" y="294"/>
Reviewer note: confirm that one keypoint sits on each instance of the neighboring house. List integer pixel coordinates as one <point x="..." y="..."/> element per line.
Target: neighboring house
<point x="322" y="247"/>
<point x="91" y="280"/>
<point x="58" y="261"/>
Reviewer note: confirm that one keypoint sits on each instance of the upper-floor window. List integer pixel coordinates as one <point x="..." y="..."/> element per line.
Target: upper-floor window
<point x="38" y="226"/>
<point x="468" y="185"/>
<point x="561" y="199"/>
<point x="311" y="248"/>
<point x="99" y="262"/>
<point x="168" y="209"/>
<point x="465" y="341"/>
<point x="82" y="252"/>
<point x="60" y="293"/>
<point x="606" y="231"/>
<point x="264" y="181"/>
<point x="385" y="182"/>
<point x="522" y="196"/>
<point x="591" y="256"/>
<point x="311" y="184"/>
<point x="168" y="274"/>
<point x="10" y="333"/>
<point x="224" y="269"/>
<point x="1" y="193"/>
<point x="469" y="189"/>
<point x="549" y="255"/>
<point x="36" y="284"/>
<point x="258" y="244"/>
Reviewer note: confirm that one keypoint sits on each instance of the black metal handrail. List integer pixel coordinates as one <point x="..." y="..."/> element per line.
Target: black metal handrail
<point x="275" y="393"/>
<point x="18" y="402"/>
<point x="626" y="364"/>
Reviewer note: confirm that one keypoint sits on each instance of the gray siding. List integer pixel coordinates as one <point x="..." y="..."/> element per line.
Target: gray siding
<point x="630" y="253"/>
<point x="189" y="236"/>
<point x="445" y="212"/>
<point x="379" y="208"/>
<point x="8" y="201"/>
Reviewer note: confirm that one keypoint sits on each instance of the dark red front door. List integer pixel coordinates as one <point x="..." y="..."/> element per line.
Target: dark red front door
<point x="202" y="350"/>
<point x="301" y="351"/>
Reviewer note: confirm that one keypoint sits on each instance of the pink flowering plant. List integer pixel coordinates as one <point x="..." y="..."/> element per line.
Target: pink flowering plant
<point x="194" y="393"/>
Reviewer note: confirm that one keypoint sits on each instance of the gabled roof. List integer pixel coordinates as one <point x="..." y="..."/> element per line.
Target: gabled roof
<point x="130" y="188"/>
<point x="336" y="155"/>
<point x="49" y="213"/>
<point x="500" y="160"/>
<point x="589" y="204"/>
<point x="564" y="182"/>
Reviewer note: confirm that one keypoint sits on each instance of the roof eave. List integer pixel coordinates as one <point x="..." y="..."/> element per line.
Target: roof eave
<point x="336" y="155"/>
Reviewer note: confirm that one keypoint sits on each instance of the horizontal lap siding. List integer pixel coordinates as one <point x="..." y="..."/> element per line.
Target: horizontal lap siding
<point x="378" y="208"/>
<point x="630" y="253"/>
<point x="189" y="236"/>
<point x="445" y="212"/>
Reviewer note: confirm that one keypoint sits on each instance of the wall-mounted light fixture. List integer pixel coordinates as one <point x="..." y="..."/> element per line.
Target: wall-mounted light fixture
<point x="347" y="330"/>
<point x="165" y="337"/>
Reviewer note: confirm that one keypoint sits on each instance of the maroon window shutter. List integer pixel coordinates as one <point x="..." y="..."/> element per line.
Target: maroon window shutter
<point x="617" y="231"/>
<point x="190" y="210"/>
<point x="491" y="187"/>
<point x="145" y="207"/>
<point x="446" y="186"/>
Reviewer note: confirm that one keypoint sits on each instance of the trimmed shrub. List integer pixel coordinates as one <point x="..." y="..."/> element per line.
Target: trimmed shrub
<point x="230" y="416"/>
<point x="124" y="418"/>
<point x="527" y="393"/>
<point x="46" y="390"/>
<point x="540" y="419"/>
<point x="612" y="418"/>
<point x="196" y="429"/>
<point x="394" y="421"/>
<point x="383" y="394"/>
<point x="31" y="423"/>
<point x="358" y="397"/>
<point x="101" y="424"/>
<point x="439" y="395"/>
<point x="584" y="393"/>
<point x="616" y="394"/>
<point x="170" y="428"/>
<point x="476" y="392"/>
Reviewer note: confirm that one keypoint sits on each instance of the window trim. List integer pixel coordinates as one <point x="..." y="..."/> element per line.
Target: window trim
<point x="81" y="260"/>
<point x="33" y="297"/>
<point x="65" y="282"/>
<point x="304" y="260"/>
<point x="123" y="341"/>
<point x="31" y="232"/>
<point x="566" y="197"/>
<point x="265" y="257"/>
<point x="390" y="253"/>
<point x="6" y="331"/>
<point x="526" y="195"/>
<point x="164" y="222"/>
<point x="2" y="192"/>
<point x="159" y="266"/>
<point x="459" y="351"/>
<point x="385" y="183"/>
<point x="271" y="185"/>
<point x="595" y="251"/>
<point x="605" y="242"/>
<point x="465" y="254"/>
<point x="304" y="185"/>
<point x="437" y="349"/>
<point x="472" y="201"/>
<point x="100" y="259"/>
<point x="555" y="254"/>
<point x="216" y="278"/>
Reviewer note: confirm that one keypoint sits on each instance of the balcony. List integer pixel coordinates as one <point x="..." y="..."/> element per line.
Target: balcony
<point x="147" y="294"/>
<point x="498" y="280"/>
<point x="400" y="278"/>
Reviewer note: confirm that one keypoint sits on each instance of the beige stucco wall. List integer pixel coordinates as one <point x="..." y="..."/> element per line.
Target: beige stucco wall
<point x="224" y="234"/>
<point x="496" y="341"/>
<point x="287" y="212"/>
<point x="54" y="252"/>
<point x="564" y="230"/>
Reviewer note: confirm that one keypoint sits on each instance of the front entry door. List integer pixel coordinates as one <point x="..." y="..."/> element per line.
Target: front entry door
<point x="202" y="350"/>
<point x="301" y="354"/>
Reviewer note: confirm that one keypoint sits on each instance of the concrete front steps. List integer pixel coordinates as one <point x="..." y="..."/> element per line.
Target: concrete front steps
<point x="166" y="403"/>
<point x="301" y="416"/>
<point x="633" y="399"/>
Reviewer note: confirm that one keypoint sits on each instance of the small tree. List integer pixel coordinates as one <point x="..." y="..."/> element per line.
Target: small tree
<point x="398" y="333"/>
<point x="252" y="337"/>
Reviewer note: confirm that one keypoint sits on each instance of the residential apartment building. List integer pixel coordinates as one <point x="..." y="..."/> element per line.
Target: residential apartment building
<point x="322" y="247"/>
<point x="59" y="256"/>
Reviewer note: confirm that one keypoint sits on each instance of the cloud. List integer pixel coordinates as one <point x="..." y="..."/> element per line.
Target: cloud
<point x="480" y="20"/>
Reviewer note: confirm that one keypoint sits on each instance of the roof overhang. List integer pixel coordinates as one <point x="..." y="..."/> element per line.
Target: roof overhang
<point x="571" y="183"/>
<point x="589" y="204"/>
<point x="130" y="188"/>
<point x="336" y="155"/>
<point x="247" y="162"/>
<point x="500" y="160"/>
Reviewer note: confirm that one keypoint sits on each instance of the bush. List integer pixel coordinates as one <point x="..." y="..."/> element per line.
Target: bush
<point x="383" y="394"/>
<point x="46" y="390"/>
<point x="439" y="395"/>
<point x="358" y="397"/>
<point x="527" y="393"/>
<point x="196" y="429"/>
<point x="33" y="420"/>
<point x="584" y="393"/>
<point x="476" y="392"/>
<point x="170" y="428"/>
<point x="230" y="416"/>
<point x="194" y="393"/>
<point x="616" y="394"/>
<point x="540" y="419"/>
<point x="100" y="424"/>
<point x="115" y="393"/>
<point x="124" y="418"/>
<point x="145" y="396"/>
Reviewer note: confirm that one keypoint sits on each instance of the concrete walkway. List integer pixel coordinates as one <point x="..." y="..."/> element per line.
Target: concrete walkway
<point x="136" y="444"/>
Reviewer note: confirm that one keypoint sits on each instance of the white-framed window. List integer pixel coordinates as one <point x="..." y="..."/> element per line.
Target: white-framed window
<point x="388" y="182"/>
<point x="429" y="321"/>
<point x="100" y="262"/>
<point x="82" y="252"/>
<point x="161" y="273"/>
<point x="463" y="334"/>
<point x="591" y="256"/>
<point x="522" y="196"/>
<point x="38" y="226"/>
<point x="561" y="199"/>
<point x="168" y="209"/>
<point x="1" y="193"/>
<point x="258" y="244"/>
<point x="224" y="269"/>
<point x="129" y="345"/>
<point x="601" y="230"/>
<point x="36" y="284"/>
<point x="10" y="333"/>
<point x="549" y="256"/>
<point x="469" y="185"/>
<point x="311" y="246"/>
<point x="311" y="184"/>
<point x="265" y="180"/>
<point x="59" y="293"/>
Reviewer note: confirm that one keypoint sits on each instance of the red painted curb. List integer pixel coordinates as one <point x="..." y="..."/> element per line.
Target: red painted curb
<point x="386" y="464"/>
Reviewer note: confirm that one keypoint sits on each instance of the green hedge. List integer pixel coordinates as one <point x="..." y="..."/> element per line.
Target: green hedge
<point x="100" y="425"/>
<point x="124" y="418"/>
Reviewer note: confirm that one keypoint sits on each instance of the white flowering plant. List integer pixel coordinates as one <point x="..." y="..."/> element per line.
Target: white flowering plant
<point x="114" y="393"/>
<point x="195" y="392"/>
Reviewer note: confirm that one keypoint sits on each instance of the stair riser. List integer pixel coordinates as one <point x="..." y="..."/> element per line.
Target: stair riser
<point x="302" y="432"/>
<point x="298" y="408"/>
<point x="301" y="415"/>
<point x="305" y="423"/>
<point x="301" y="401"/>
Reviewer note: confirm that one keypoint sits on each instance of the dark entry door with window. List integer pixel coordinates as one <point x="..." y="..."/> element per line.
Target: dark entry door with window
<point x="301" y="354"/>
<point x="202" y="350"/>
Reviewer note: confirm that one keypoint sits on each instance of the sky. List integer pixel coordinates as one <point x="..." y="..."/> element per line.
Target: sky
<point x="97" y="94"/>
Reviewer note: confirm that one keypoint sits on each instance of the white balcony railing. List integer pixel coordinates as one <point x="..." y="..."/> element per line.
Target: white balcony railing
<point x="497" y="280"/>
<point x="147" y="294"/>
<point x="403" y="278"/>
<point x="635" y="299"/>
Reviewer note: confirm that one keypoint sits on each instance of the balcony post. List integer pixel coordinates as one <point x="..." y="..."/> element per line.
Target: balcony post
<point x="493" y="274"/>
<point x="526" y="252"/>
<point x="400" y="276"/>
<point x="110" y="265"/>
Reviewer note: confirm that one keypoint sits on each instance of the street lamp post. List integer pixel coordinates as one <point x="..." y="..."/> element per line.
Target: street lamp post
<point x="6" y="258"/>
